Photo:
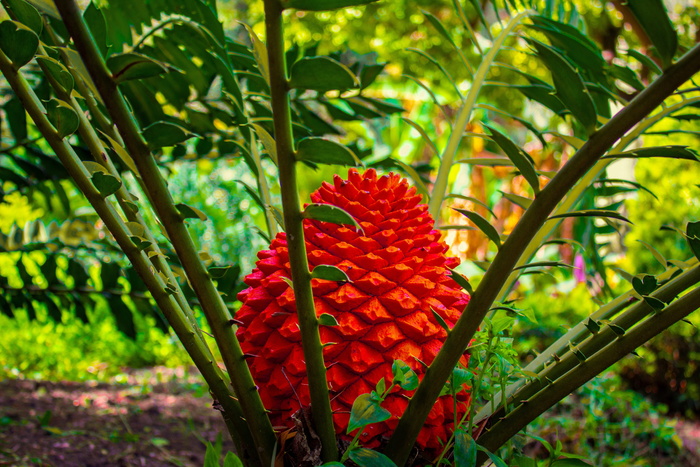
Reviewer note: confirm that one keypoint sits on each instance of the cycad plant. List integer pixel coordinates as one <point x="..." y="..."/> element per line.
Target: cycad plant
<point x="355" y="339"/>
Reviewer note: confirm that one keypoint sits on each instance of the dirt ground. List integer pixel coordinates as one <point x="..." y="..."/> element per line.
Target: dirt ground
<point x="90" y="424"/>
<point x="154" y="418"/>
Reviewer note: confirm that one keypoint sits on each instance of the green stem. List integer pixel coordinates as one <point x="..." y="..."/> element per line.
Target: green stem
<point x="579" y="332"/>
<point x="595" y="343"/>
<point x="464" y="116"/>
<point x="507" y="427"/>
<point x="194" y="345"/>
<point x="301" y="277"/>
<point x="211" y="301"/>
<point x="483" y="298"/>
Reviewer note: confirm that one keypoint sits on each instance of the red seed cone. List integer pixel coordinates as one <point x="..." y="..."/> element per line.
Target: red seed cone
<point x="399" y="272"/>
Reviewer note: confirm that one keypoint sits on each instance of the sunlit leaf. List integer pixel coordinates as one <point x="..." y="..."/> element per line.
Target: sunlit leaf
<point x="324" y="151"/>
<point x="483" y="225"/>
<point x="322" y="74"/>
<point x="673" y="152"/>
<point x="653" y="18"/>
<point x="593" y="213"/>
<point x="365" y="411"/>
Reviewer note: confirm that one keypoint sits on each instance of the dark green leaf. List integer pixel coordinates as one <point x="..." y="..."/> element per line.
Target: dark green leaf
<point x="654" y="302"/>
<point x="693" y="235"/>
<point x="131" y="65"/>
<point x="673" y="152"/>
<point x="16" y="119"/>
<point x="329" y="213"/>
<point x="518" y="200"/>
<point x="593" y="213"/>
<point x="218" y="272"/>
<point x="106" y="184"/>
<point x="543" y="94"/>
<point x="541" y="264"/>
<point x="570" y="462"/>
<point x="465" y="449"/>
<point x="569" y="85"/>
<point x="62" y="117"/>
<point x="322" y="74"/>
<point x="232" y="460"/>
<point x="365" y="411"/>
<point x="483" y="225"/>
<point x="523" y="461"/>
<point x="97" y="24"/>
<point x="58" y="72"/>
<point x="323" y="5"/>
<point x="471" y="199"/>
<point x="593" y="326"/>
<point x="404" y="376"/>
<point x="497" y="461"/>
<point x="327" y="320"/>
<point x="440" y="320"/>
<point x="644" y="284"/>
<point x="653" y="18"/>
<point x="519" y="157"/>
<point x="18" y="42"/>
<point x="123" y="316"/>
<point x="323" y="151"/>
<point x="162" y="134"/>
<point x="26" y="14"/>
<point x="461" y="280"/>
<point x="329" y="273"/>
<point x="188" y="212"/>
<point x="620" y="331"/>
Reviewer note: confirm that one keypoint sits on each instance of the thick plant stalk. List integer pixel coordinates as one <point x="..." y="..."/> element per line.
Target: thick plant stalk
<point x="483" y="298"/>
<point x="190" y="339"/>
<point x="437" y="196"/>
<point x="595" y="343"/>
<point x="507" y="427"/>
<point x="301" y="276"/>
<point x="210" y="300"/>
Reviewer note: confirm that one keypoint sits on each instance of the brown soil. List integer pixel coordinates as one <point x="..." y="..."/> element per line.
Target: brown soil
<point x="139" y="423"/>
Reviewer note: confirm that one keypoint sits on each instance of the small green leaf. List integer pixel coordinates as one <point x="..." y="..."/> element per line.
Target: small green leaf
<point x="366" y="411"/>
<point x="577" y="352"/>
<point x="644" y="284"/>
<point x="106" y="184"/>
<point x="497" y="461"/>
<point x="260" y="53"/>
<point x="323" y="5"/>
<point x="322" y="74"/>
<point x="323" y="151"/>
<point x="423" y="134"/>
<point x="542" y="264"/>
<point x="461" y="280"/>
<point x="217" y="272"/>
<point x="329" y="273"/>
<point x="672" y="152"/>
<point x="692" y="232"/>
<point x="26" y="14"/>
<point x="18" y="42"/>
<point x="327" y="320"/>
<point x="569" y="85"/>
<point x="518" y="200"/>
<point x="188" y="212"/>
<point x="440" y="320"/>
<point x="140" y="242"/>
<point x="654" y="302"/>
<point x="62" y="117"/>
<point x="465" y="449"/>
<point x="58" y="72"/>
<point x="653" y="18"/>
<point x="329" y="213"/>
<point x="593" y="213"/>
<point x="570" y="462"/>
<point x="593" y="325"/>
<point x="483" y="225"/>
<point x="128" y="66"/>
<point x="404" y="376"/>
<point x="519" y="157"/>
<point x="163" y="134"/>
<point x="364" y="457"/>
<point x="619" y="330"/>
<point x="232" y="460"/>
<point x="267" y="141"/>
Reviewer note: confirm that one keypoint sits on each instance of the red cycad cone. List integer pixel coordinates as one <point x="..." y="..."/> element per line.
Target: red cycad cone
<point x="399" y="273"/>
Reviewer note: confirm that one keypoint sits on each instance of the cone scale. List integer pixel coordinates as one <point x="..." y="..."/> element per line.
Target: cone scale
<point x="399" y="275"/>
